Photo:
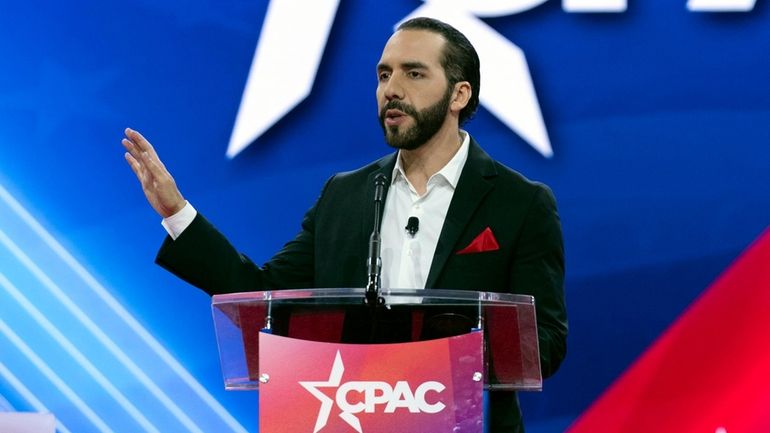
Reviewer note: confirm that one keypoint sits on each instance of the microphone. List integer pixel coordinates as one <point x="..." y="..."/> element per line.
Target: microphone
<point x="412" y="226"/>
<point x="379" y="189"/>
<point x="374" y="262"/>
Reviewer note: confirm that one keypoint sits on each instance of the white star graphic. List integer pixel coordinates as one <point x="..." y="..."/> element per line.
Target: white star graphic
<point x="335" y="377"/>
<point x="510" y="94"/>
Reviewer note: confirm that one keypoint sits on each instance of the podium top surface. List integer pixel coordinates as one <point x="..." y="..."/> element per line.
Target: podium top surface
<point x="391" y="297"/>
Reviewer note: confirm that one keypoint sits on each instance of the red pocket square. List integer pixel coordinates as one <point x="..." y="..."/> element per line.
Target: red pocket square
<point x="484" y="242"/>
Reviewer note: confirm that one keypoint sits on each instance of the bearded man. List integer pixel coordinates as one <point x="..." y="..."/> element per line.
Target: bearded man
<point x="428" y="85"/>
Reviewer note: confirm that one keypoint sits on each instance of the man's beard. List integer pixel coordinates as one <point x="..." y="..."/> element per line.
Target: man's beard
<point x="427" y="123"/>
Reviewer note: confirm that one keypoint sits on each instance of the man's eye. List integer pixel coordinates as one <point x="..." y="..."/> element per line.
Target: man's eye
<point x="383" y="76"/>
<point x="414" y="74"/>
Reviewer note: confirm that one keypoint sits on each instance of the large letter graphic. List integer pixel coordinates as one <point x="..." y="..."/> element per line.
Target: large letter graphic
<point x="508" y="90"/>
<point x="721" y="5"/>
<point x="284" y="58"/>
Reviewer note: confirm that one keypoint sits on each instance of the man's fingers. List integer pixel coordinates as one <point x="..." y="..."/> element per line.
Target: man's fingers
<point x="137" y="168"/>
<point x="137" y="138"/>
<point x="140" y="142"/>
<point x="133" y="163"/>
<point x="144" y="162"/>
<point x="160" y="187"/>
<point x="131" y="148"/>
<point x="134" y="158"/>
<point x="154" y="167"/>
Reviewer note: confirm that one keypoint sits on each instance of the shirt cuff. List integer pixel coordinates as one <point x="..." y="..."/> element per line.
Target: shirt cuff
<point x="177" y="223"/>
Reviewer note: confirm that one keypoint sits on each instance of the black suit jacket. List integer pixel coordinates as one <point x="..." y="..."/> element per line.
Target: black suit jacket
<point x="332" y="247"/>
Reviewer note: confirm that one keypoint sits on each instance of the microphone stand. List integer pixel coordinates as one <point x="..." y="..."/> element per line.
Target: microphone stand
<point x="374" y="262"/>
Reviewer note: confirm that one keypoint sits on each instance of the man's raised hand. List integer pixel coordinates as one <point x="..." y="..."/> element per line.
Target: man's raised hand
<point x="158" y="185"/>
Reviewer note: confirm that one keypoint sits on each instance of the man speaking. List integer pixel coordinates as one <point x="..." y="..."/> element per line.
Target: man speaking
<point x="471" y="223"/>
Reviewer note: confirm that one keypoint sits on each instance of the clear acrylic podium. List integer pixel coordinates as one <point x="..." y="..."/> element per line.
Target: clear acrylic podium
<point x="510" y="345"/>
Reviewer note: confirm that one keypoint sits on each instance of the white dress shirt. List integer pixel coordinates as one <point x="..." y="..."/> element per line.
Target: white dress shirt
<point x="406" y="259"/>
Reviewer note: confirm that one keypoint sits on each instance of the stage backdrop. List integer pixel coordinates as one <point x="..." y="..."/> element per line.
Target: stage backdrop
<point x="650" y="120"/>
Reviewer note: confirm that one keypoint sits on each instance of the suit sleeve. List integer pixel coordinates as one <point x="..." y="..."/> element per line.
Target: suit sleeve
<point x="204" y="257"/>
<point x="538" y="270"/>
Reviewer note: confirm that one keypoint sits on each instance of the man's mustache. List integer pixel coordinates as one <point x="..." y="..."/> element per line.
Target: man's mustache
<point x="400" y="106"/>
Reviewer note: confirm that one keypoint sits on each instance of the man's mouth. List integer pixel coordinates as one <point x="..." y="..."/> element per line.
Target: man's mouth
<point x="394" y="117"/>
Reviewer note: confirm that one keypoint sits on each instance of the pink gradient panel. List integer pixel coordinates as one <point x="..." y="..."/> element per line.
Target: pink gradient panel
<point x="287" y="407"/>
<point x="709" y="371"/>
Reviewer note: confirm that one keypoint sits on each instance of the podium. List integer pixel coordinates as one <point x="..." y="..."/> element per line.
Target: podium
<point x="324" y="360"/>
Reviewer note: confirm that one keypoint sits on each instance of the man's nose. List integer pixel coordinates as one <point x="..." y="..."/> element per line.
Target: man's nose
<point x="393" y="89"/>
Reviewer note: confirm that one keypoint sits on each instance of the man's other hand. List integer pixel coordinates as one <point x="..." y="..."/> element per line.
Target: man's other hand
<point x="158" y="185"/>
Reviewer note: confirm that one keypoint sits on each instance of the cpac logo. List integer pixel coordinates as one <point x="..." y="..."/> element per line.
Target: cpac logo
<point x="509" y="93"/>
<point x="369" y="396"/>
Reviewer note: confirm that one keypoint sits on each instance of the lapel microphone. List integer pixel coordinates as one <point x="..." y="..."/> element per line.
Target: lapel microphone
<point x="412" y="226"/>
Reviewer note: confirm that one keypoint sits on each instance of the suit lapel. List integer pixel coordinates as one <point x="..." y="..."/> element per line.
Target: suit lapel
<point x="473" y="186"/>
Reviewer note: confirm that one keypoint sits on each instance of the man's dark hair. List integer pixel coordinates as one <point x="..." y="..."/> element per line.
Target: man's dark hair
<point x="460" y="61"/>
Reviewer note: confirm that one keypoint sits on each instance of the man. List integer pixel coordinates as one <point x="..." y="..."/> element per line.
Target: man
<point x="428" y="84"/>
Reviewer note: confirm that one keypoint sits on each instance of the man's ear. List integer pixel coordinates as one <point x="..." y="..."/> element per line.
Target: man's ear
<point x="460" y="96"/>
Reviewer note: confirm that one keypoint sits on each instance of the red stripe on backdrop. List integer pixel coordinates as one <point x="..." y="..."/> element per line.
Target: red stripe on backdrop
<point x="709" y="372"/>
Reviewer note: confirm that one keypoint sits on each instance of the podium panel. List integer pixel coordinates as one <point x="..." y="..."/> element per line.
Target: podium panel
<point x="424" y="386"/>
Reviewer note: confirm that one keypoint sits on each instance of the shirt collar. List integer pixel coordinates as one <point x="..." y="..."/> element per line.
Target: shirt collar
<point x="450" y="172"/>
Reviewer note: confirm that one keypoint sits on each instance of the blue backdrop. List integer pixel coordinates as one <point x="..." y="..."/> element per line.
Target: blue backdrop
<point x="659" y="119"/>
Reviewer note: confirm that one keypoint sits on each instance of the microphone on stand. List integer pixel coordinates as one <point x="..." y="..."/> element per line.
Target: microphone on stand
<point x="374" y="262"/>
